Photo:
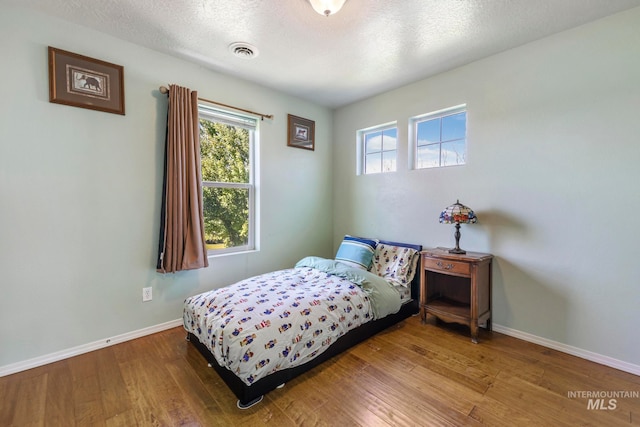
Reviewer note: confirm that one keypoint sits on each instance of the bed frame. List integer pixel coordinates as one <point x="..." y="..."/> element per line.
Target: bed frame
<point x="250" y="395"/>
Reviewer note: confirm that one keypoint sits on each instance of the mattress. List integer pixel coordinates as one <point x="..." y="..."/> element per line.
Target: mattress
<point x="285" y="318"/>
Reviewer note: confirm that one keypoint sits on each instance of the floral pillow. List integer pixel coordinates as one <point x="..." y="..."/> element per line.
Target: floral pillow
<point x="395" y="263"/>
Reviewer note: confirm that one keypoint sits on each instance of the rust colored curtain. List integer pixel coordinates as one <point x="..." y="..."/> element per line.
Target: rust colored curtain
<point x="182" y="245"/>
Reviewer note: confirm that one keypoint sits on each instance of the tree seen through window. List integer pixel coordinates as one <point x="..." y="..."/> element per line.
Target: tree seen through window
<point x="226" y="182"/>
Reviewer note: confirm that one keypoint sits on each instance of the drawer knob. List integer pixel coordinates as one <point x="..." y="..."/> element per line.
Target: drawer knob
<point x="445" y="266"/>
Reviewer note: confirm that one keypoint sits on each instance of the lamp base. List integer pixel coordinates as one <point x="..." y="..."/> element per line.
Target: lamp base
<point x="457" y="251"/>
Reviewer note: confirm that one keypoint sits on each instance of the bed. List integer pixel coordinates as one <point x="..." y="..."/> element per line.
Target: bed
<point x="262" y="332"/>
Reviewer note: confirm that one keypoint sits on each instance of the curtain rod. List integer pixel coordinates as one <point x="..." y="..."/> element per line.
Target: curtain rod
<point x="165" y="90"/>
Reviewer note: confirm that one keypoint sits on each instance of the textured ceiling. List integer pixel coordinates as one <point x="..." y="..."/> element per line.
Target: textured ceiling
<point x="370" y="46"/>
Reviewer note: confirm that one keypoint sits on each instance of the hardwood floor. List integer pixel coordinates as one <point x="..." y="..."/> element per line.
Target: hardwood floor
<point x="408" y="375"/>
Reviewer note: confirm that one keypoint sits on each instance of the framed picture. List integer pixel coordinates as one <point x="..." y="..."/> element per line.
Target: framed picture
<point x="85" y="82"/>
<point x="301" y="133"/>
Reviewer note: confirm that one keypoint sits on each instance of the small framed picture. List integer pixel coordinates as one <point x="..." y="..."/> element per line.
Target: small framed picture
<point x="85" y="82"/>
<point x="301" y="133"/>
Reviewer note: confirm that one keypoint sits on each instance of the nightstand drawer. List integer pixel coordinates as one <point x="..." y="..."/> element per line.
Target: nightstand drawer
<point x="446" y="266"/>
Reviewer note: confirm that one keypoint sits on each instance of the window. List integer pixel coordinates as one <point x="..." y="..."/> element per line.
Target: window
<point x="441" y="138"/>
<point x="227" y="143"/>
<point x="378" y="149"/>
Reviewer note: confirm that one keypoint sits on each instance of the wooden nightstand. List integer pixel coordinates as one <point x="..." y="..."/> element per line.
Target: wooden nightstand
<point x="456" y="288"/>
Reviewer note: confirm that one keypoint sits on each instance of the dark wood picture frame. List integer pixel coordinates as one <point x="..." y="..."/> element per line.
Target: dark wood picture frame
<point x="301" y="132"/>
<point x="85" y="82"/>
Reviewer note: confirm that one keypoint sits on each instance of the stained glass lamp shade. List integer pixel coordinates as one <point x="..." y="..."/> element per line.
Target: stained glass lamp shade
<point x="457" y="214"/>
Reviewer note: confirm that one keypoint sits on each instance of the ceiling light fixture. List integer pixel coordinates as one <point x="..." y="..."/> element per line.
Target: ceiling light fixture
<point x="327" y="7"/>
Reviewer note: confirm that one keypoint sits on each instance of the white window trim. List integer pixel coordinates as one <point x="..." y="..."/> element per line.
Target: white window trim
<point x="360" y="149"/>
<point x="413" y="132"/>
<point x="216" y="114"/>
<point x="250" y="246"/>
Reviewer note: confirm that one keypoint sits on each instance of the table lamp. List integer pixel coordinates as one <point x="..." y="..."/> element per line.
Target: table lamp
<point x="457" y="214"/>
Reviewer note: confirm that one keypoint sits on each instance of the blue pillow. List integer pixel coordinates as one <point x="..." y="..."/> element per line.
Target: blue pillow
<point x="356" y="252"/>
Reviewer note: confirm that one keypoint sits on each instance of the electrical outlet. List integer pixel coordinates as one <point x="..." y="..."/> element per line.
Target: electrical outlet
<point x="147" y="294"/>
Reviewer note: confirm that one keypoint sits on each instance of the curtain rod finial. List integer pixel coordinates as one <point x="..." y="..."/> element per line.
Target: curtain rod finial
<point x="164" y="90"/>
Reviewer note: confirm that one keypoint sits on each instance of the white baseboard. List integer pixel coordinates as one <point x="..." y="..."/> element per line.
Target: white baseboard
<point x="574" y="351"/>
<point x="85" y="348"/>
<point x="75" y="351"/>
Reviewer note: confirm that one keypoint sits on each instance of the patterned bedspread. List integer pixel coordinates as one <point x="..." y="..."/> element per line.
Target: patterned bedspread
<point x="283" y="319"/>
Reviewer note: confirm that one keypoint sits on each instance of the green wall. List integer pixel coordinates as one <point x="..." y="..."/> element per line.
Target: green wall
<point x="552" y="174"/>
<point x="80" y="192"/>
<point x="553" y="155"/>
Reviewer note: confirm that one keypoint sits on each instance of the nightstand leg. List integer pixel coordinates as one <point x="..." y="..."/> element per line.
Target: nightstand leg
<point x="474" y="332"/>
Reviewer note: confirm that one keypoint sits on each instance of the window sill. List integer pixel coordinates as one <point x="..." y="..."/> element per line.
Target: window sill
<point x="224" y="254"/>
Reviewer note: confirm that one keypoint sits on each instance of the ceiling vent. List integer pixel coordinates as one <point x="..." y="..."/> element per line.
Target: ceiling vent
<point x="243" y="50"/>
